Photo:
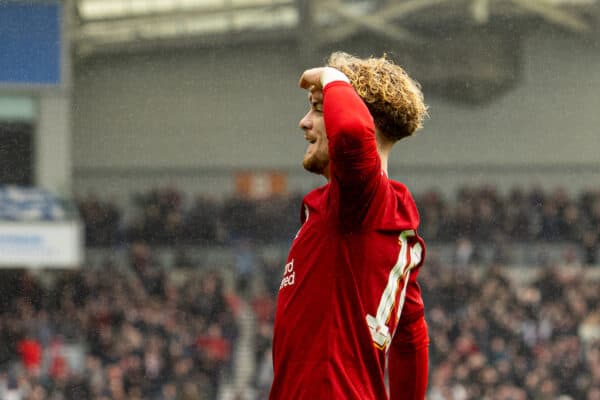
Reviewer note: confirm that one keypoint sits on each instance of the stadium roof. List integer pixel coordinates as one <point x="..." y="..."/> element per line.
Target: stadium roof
<point x="122" y="25"/>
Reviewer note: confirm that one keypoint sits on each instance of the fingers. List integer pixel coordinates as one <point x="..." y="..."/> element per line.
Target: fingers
<point x="311" y="77"/>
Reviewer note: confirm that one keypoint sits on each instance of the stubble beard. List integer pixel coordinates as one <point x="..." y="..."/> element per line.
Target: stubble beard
<point x="316" y="163"/>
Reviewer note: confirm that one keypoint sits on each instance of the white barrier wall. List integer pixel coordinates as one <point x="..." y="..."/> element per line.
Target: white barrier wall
<point x="39" y="244"/>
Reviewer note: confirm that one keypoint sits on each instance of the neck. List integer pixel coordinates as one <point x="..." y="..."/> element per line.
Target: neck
<point x="384" y="147"/>
<point x="384" y="162"/>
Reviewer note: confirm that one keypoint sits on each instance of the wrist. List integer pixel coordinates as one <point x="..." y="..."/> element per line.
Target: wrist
<point x="331" y="74"/>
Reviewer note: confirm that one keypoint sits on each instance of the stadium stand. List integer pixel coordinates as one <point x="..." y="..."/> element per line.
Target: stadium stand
<point x="178" y="301"/>
<point x="530" y="315"/>
<point x="478" y="223"/>
<point x="496" y="333"/>
<point x="175" y="296"/>
<point x="116" y="333"/>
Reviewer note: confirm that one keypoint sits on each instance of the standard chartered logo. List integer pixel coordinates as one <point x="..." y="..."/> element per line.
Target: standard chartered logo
<point x="289" y="275"/>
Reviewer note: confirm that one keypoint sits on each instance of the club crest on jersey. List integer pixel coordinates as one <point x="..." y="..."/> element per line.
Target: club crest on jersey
<point x="289" y="275"/>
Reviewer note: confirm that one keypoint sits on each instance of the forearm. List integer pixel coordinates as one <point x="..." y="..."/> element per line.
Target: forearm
<point x="350" y="131"/>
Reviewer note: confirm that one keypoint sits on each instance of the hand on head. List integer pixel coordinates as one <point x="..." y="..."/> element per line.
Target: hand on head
<point x="311" y="77"/>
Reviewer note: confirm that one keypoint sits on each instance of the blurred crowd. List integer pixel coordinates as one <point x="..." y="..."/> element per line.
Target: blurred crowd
<point x="497" y="333"/>
<point x="494" y="337"/>
<point x="164" y="216"/>
<point x="478" y="214"/>
<point x="134" y="331"/>
<point x="494" y="334"/>
<point x="481" y="214"/>
<point x="115" y="333"/>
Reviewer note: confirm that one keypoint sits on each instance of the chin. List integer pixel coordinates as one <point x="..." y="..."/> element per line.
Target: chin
<point x="315" y="165"/>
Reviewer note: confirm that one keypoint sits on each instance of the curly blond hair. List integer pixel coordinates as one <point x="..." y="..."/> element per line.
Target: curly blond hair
<point x="394" y="99"/>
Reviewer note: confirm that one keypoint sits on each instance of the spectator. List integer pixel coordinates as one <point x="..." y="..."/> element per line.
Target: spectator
<point x="493" y="338"/>
<point x="143" y="344"/>
<point x="478" y="214"/>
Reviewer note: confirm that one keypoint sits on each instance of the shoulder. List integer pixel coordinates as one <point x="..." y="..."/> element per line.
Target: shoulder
<point x="312" y="201"/>
<point x="315" y="196"/>
<point x="400" y="208"/>
<point x="402" y="192"/>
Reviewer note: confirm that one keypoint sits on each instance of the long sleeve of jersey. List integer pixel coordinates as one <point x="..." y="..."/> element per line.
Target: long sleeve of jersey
<point x="354" y="161"/>
<point x="351" y="135"/>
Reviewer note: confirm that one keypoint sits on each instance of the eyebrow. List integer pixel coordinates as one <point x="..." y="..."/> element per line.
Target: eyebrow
<point x="313" y="100"/>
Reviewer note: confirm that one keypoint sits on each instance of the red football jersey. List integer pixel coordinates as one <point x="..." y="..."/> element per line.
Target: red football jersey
<point x="351" y="271"/>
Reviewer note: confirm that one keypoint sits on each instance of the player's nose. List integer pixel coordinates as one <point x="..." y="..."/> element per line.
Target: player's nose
<point x="305" y="122"/>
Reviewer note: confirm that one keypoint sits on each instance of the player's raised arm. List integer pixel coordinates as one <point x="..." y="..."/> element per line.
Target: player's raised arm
<point x="339" y="125"/>
<point x="351" y="133"/>
<point x="342" y="145"/>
